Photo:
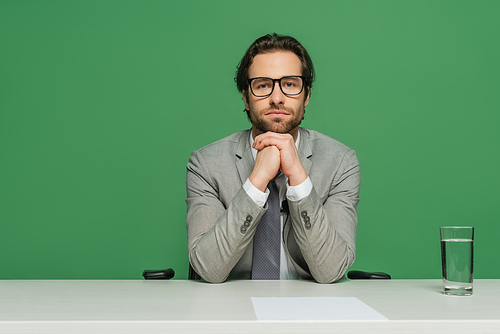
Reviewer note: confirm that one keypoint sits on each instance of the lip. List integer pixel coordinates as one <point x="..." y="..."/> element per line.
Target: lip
<point x="276" y="113"/>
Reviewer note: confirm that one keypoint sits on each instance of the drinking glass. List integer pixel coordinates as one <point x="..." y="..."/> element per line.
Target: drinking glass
<point x="457" y="256"/>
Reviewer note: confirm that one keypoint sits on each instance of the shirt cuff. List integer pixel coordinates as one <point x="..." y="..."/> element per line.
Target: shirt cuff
<point x="255" y="194"/>
<point x="298" y="192"/>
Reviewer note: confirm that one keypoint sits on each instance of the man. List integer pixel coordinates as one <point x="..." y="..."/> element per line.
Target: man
<point x="315" y="178"/>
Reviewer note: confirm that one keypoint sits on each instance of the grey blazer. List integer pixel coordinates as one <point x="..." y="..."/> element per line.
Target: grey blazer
<point x="319" y="231"/>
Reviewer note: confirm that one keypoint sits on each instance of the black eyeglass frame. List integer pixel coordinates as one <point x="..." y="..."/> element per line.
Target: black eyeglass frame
<point x="249" y="82"/>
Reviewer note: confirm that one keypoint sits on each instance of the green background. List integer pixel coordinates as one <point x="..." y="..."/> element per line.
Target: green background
<point x="102" y="102"/>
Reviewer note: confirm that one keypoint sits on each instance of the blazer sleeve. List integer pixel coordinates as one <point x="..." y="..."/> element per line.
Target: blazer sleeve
<point x="219" y="229"/>
<point x="324" y="228"/>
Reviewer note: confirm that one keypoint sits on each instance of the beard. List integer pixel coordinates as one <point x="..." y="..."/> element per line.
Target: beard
<point x="278" y="125"/>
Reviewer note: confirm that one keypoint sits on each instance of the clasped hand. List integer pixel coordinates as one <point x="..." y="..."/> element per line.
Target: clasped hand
<point x="276" y="151"/>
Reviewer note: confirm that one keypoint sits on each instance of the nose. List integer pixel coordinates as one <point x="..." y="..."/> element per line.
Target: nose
<point x="277" y="96"/>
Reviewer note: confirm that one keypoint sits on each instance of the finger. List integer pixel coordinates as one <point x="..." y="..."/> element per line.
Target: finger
<point x="273" y="139"/>
<point x="267" y="164"/>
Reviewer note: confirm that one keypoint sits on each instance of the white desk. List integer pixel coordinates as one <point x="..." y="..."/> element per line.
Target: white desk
<point x="70" y="306"/>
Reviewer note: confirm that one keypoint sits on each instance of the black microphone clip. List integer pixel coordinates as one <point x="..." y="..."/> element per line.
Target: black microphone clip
<point x="284" y="207"/>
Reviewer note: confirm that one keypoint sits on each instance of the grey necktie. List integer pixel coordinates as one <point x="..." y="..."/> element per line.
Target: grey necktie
<point x="267" y="239"/>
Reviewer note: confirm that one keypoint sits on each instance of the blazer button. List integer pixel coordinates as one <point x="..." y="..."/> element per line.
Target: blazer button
<point x="303" y="214"/>
<point x="249" y="218"/>
<point x="307" y="219"/>
<point x="243" y="229"/>
<point x="246" y="224"/>
<point x="308" y="226"/>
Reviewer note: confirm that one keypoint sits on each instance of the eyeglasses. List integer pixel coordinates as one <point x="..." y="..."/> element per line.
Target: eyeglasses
<point x="289" y="85"/>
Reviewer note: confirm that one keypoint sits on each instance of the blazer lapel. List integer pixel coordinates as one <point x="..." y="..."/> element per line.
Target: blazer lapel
<point x="305" y="150"/>
<point x="245" y="163"/>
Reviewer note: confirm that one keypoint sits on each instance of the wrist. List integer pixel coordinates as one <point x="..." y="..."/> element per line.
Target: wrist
<point x="298" y="178"/>
<point x="258" y="182"/>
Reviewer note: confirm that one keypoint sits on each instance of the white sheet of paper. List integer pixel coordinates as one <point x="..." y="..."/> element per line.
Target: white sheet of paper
<point x="313" y="308"/>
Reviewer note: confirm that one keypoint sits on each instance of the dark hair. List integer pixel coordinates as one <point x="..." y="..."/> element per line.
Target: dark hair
<point x="271" y="43"/>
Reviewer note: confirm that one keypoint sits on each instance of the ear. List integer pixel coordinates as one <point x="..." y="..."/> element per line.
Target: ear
<point x="247" y="106"/>
<point x="306" y="100"/>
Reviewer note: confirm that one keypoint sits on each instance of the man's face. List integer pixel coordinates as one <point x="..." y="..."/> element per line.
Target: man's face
<point x="277" y="112"/>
